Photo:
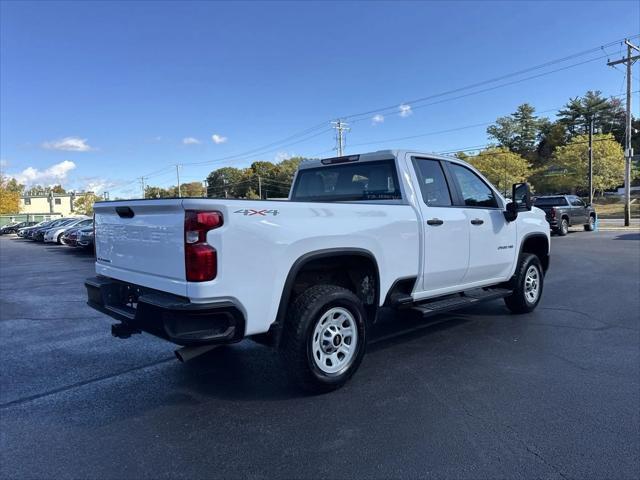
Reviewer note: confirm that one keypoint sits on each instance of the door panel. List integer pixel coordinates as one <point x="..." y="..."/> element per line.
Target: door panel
<point x="491" y="238"/>
<point x="492" y="245"/>
<point x="446" y="247"/>
<point x="445" y="228"/>
<point x="578" y="211"/>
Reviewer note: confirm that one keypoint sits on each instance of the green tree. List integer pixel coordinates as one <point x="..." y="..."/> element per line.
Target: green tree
<point x="225" y="179"/>
<point x="191" y="189"/>
<point x="608" y="115"/>
<point x="502" y="167"/>
<point x="520" y="131"/>
<point x="84" y="204"/>
<point x="274" y="179"/>
<point x="157" y="192"/>
<point x="9" y="196"/>
<point x="13" y="186"/>
<point x="57" y="189"/>
<point x="570" y="166"/>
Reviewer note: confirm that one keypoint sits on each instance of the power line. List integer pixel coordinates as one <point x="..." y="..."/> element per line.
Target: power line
<point x="496" y="79"/>
<point x="307" y="132"/>
<point x="453" y="129"/>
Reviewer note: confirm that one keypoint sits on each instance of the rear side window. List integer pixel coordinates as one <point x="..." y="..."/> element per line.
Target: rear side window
<point x="433" y="184"/>
<point x="475" y="192"/>
<point x="348" y="182"/>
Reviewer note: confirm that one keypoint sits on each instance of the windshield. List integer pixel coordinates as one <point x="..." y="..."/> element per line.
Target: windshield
<point x="550" y="202"/>
<point x="348" y="182"/>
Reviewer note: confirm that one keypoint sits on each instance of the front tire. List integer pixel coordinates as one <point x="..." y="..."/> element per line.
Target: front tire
<point x="527" y="284"/>
<point x="324" y="338"/>
<point x="591" y="226"/>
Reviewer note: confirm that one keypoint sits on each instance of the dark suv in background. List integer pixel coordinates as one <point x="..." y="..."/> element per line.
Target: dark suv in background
<point x="564" y="211"/>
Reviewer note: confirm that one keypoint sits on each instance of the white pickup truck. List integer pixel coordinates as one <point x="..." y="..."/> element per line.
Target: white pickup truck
<point x="394" y="229"/>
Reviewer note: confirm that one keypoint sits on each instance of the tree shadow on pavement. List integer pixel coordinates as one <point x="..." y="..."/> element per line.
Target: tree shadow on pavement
<point x="628" y="236"/>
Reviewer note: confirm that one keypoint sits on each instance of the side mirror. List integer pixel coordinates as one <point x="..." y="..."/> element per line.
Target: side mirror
<point x="521" y="201"/>
<point x="521" y="196"/>
<point x="511" y="212"/>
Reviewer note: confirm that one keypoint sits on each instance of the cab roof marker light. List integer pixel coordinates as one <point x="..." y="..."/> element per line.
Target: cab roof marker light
<point x="331" y="161"/>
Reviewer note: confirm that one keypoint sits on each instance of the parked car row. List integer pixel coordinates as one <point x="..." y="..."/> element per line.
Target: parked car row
<point x="13" y="227"/>
<point x="70" y="231"/>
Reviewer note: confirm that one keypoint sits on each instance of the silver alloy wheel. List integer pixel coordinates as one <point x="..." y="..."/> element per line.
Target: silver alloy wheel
<point x="335" y="340"/>
<point x="532" y="284"/>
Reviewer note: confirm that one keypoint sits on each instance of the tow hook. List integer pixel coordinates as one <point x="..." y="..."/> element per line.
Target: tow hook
<point x="122" y="330"/>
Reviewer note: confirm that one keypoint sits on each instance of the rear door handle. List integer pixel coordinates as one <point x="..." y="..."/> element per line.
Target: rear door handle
<point x="477" y="221"/>
<point x="435" y="221"/>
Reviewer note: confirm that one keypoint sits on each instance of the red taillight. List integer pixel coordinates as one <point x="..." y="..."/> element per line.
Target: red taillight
<point x="200" y="258"/>
<point x="553" y="213"/>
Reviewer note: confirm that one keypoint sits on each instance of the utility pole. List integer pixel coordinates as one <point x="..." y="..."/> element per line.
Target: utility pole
<point x="260" y="187"/>
<point x="628" y="152"/>
<point x="178" y="175"/>
<point x="142" y="179"/>
<point x="341" y="128"/>
<point x="591" y="161"/>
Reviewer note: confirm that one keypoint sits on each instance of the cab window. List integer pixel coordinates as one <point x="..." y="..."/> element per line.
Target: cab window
<point x="475" y="192"/>
<point x="433" y="184"/>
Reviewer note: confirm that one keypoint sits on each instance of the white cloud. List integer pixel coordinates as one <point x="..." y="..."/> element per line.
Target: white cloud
<point x="280" y="156"/>
<point x="377" y="119"/>
<point x="53" y="175"/>
<point x="4" y="163"/>
<point x="405" y="110"/>
<point x="98" y="184"/>
<point x="191" y="141"/>
<point x="217" y="139"/>
<point x="69" y="144"/>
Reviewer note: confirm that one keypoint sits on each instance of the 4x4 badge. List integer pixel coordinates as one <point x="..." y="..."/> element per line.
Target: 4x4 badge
<point x="248" y="212"/>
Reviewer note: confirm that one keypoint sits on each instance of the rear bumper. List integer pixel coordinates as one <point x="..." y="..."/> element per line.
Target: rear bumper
<point x="165" y="315"/>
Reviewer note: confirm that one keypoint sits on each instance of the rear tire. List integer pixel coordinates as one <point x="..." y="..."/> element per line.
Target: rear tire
<point x="563" y="228"/>
<point x="324" y="338"/>
<point x="527" y="284"/>
<point x="591" y="226"/>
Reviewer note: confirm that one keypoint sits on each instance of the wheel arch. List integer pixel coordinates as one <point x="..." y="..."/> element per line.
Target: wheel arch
<point x="538" y="245"/>
<point x="349" y="256"/>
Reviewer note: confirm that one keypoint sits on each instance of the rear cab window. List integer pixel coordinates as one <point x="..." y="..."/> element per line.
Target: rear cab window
<point x="550" y="202"/>
<point x="348" y="182"/>
<point x="433" y="183"/>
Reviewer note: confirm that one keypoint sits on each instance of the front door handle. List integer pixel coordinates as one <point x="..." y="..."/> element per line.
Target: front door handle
<point x="477" y="221"/>
<point x="435" y="221"/>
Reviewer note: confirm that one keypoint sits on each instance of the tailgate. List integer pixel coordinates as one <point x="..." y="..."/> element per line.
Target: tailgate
<point x="142" y="242"/>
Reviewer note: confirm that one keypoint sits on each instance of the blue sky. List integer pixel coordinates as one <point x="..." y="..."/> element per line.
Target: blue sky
<point x="96" y="94"/>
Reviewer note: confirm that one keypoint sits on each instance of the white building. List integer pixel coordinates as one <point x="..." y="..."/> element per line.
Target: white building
<point x="51" y="203"/>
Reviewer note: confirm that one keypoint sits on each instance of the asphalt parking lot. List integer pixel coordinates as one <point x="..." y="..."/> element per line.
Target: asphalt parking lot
<point x="475" y="394"/>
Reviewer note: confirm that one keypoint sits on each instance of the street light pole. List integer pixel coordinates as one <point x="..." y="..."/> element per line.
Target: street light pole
<point x="591" y="161"/>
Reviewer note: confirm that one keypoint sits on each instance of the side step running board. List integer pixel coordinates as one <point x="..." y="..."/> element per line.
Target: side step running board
<point x="460" y="300"/>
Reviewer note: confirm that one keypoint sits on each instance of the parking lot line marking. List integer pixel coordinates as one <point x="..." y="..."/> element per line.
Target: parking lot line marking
<point x="37" y="396"/>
